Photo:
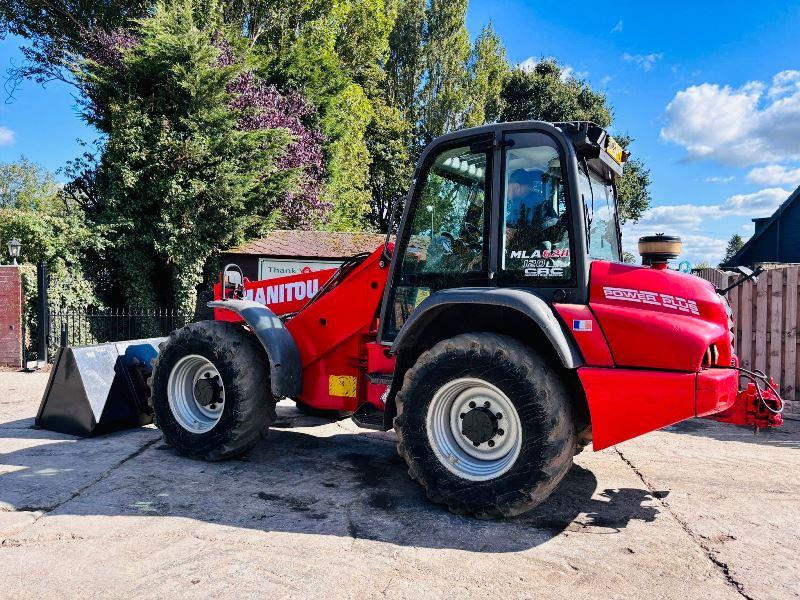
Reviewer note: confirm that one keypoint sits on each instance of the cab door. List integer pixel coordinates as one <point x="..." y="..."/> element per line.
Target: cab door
<point x="444" y="242"/>
<point x="539" y="248"/>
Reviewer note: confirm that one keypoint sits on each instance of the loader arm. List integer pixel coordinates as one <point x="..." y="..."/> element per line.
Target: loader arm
<point x="317" y="329"/>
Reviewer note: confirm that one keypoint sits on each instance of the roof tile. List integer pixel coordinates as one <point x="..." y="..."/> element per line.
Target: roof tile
<point x="317" y="244"/>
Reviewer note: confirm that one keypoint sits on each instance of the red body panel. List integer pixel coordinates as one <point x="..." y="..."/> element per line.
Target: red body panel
<point x="658" y="319"/>
<point x="625" y="403"/>
<point x="716" y="391"/>
<point x="658" y="325"/>
<point x="591" y="342"/>
<point x="334" y="333"/>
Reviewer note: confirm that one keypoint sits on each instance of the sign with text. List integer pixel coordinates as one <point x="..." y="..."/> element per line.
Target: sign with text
<point x="270" y="268"/>
<point x="282" y="295"/>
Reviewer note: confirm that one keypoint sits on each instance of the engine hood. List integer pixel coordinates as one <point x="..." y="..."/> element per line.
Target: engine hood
<point x="658" y="318"/>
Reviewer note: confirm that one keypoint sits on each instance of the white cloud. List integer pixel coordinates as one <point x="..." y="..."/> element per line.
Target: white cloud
<point x="7" y="137"/>
<point x="719" y="179"/>
<point x="618" y="27"/>
<point x="568" y="72"/>
<point x="758" y="204"/>
<point x="605" y="80"/>
<point x="785" y="83"/>
<point x="775" y="175"/>
<point x="748" y="125"/>
<point x="677" y="217"/>
<point x="528" y="65"/>
<point x="689" y="222"/>
<point x="644" y="61"/>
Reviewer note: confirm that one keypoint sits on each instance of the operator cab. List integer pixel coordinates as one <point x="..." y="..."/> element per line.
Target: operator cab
<point x="525" y="205"/>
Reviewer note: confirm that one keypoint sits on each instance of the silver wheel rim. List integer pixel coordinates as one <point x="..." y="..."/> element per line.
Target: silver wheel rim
<point x="187" y="410"/>
<point x="454" y="449"/>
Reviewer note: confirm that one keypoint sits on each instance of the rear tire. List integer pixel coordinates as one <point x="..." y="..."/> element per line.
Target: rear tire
<point x="242" y="406"/>
<point x="471" y="378"/>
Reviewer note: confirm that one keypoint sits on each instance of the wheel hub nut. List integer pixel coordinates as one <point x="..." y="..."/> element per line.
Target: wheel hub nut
<point x="207" y="391"/>
<point x="479" y="425"/>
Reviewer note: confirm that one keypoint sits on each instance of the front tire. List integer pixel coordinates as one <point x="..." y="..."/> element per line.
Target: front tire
<point x="211" y="391"/>
<point x="485" y="425"/>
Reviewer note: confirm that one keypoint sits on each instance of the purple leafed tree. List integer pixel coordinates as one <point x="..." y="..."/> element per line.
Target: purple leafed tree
<point x="263" y="107"/>
<point x="107" y="48"/>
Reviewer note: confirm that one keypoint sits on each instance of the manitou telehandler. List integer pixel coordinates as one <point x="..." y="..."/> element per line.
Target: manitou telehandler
<point x="498" y="334"/>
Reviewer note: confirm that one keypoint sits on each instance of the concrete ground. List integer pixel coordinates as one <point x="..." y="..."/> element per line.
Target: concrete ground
<point x="325" y="510"/>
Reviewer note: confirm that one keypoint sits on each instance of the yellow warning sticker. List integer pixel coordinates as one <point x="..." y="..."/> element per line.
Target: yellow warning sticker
<point x="342" y="385"/>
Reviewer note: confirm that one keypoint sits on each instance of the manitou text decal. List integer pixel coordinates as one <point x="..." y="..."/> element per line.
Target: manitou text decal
<point x="284" y="292"/>
<point x="654" y="298"/>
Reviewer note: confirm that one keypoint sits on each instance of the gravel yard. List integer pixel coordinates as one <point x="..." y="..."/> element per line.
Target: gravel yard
<point x="324" y="509"/>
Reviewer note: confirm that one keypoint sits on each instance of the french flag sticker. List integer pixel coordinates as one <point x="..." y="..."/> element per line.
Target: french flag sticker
<point x="578" y="325"/>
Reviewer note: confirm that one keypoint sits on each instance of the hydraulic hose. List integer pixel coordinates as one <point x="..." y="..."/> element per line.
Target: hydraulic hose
<point x="756" y="376"/>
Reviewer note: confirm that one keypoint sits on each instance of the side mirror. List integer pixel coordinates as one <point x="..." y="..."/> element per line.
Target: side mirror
<point x="748" y="275"/>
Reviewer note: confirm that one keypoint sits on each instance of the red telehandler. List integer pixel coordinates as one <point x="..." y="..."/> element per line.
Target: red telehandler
<point x="499" y="334"/>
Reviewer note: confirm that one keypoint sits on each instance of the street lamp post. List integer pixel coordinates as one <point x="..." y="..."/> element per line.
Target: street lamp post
<point x="429" y="208"/>
<point x="14" y="248"/>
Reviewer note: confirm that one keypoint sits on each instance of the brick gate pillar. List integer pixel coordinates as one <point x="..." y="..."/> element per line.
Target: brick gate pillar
<point x="10" y="316"/>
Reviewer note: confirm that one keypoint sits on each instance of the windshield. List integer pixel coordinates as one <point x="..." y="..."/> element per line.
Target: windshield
<point x="599" y="204"/>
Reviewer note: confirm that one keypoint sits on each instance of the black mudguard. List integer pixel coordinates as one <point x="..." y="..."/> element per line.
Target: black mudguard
<point x="286" y="371"/>
<point x="533" y="307"/>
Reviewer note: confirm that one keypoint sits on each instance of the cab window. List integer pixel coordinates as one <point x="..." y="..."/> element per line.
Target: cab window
<point x="599" y="205"/>
<point x="447" y="241"/>
<point x="536" y="242"/>
<point x="447" y="230"/>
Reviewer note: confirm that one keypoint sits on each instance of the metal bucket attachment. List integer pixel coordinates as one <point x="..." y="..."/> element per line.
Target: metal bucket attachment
<point x="98" y="389"/>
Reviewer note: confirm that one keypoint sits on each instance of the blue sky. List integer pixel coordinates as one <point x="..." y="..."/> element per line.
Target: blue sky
<point x="711" y="94"/>
<point x="710" y="91"/>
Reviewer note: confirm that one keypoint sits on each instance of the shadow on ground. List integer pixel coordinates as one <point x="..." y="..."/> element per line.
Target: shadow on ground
<point x="307" y="481"/>
<point x="786" y="436"/>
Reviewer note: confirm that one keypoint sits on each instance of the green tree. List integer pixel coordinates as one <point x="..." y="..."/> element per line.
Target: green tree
<point x="633" y="187"/>
<point x="443" y="98"/>
<point x="27" y="186"/>
<point x="334" y="56"/>
<point x="349" y="161"/>
<point x="181" y="179"/>
<point x="544" y="93"/>
<point x="405" y="65"/>
<point x="734" y="245"/>
<point x="488" y="70"/>
<point x="51" y="231"/>
<point x="391" y="165"/>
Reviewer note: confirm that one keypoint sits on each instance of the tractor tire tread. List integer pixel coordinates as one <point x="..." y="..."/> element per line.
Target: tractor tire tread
<point x="245" y="363"/>
<point x="551" y="395"/>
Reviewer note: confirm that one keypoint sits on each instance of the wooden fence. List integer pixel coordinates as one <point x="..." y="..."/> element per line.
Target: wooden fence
<point x="765" y="317"/>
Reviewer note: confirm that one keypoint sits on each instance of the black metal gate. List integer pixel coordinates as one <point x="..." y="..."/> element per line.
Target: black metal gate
<point x="54" y="327"/>
<point x="88" y="326"/>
